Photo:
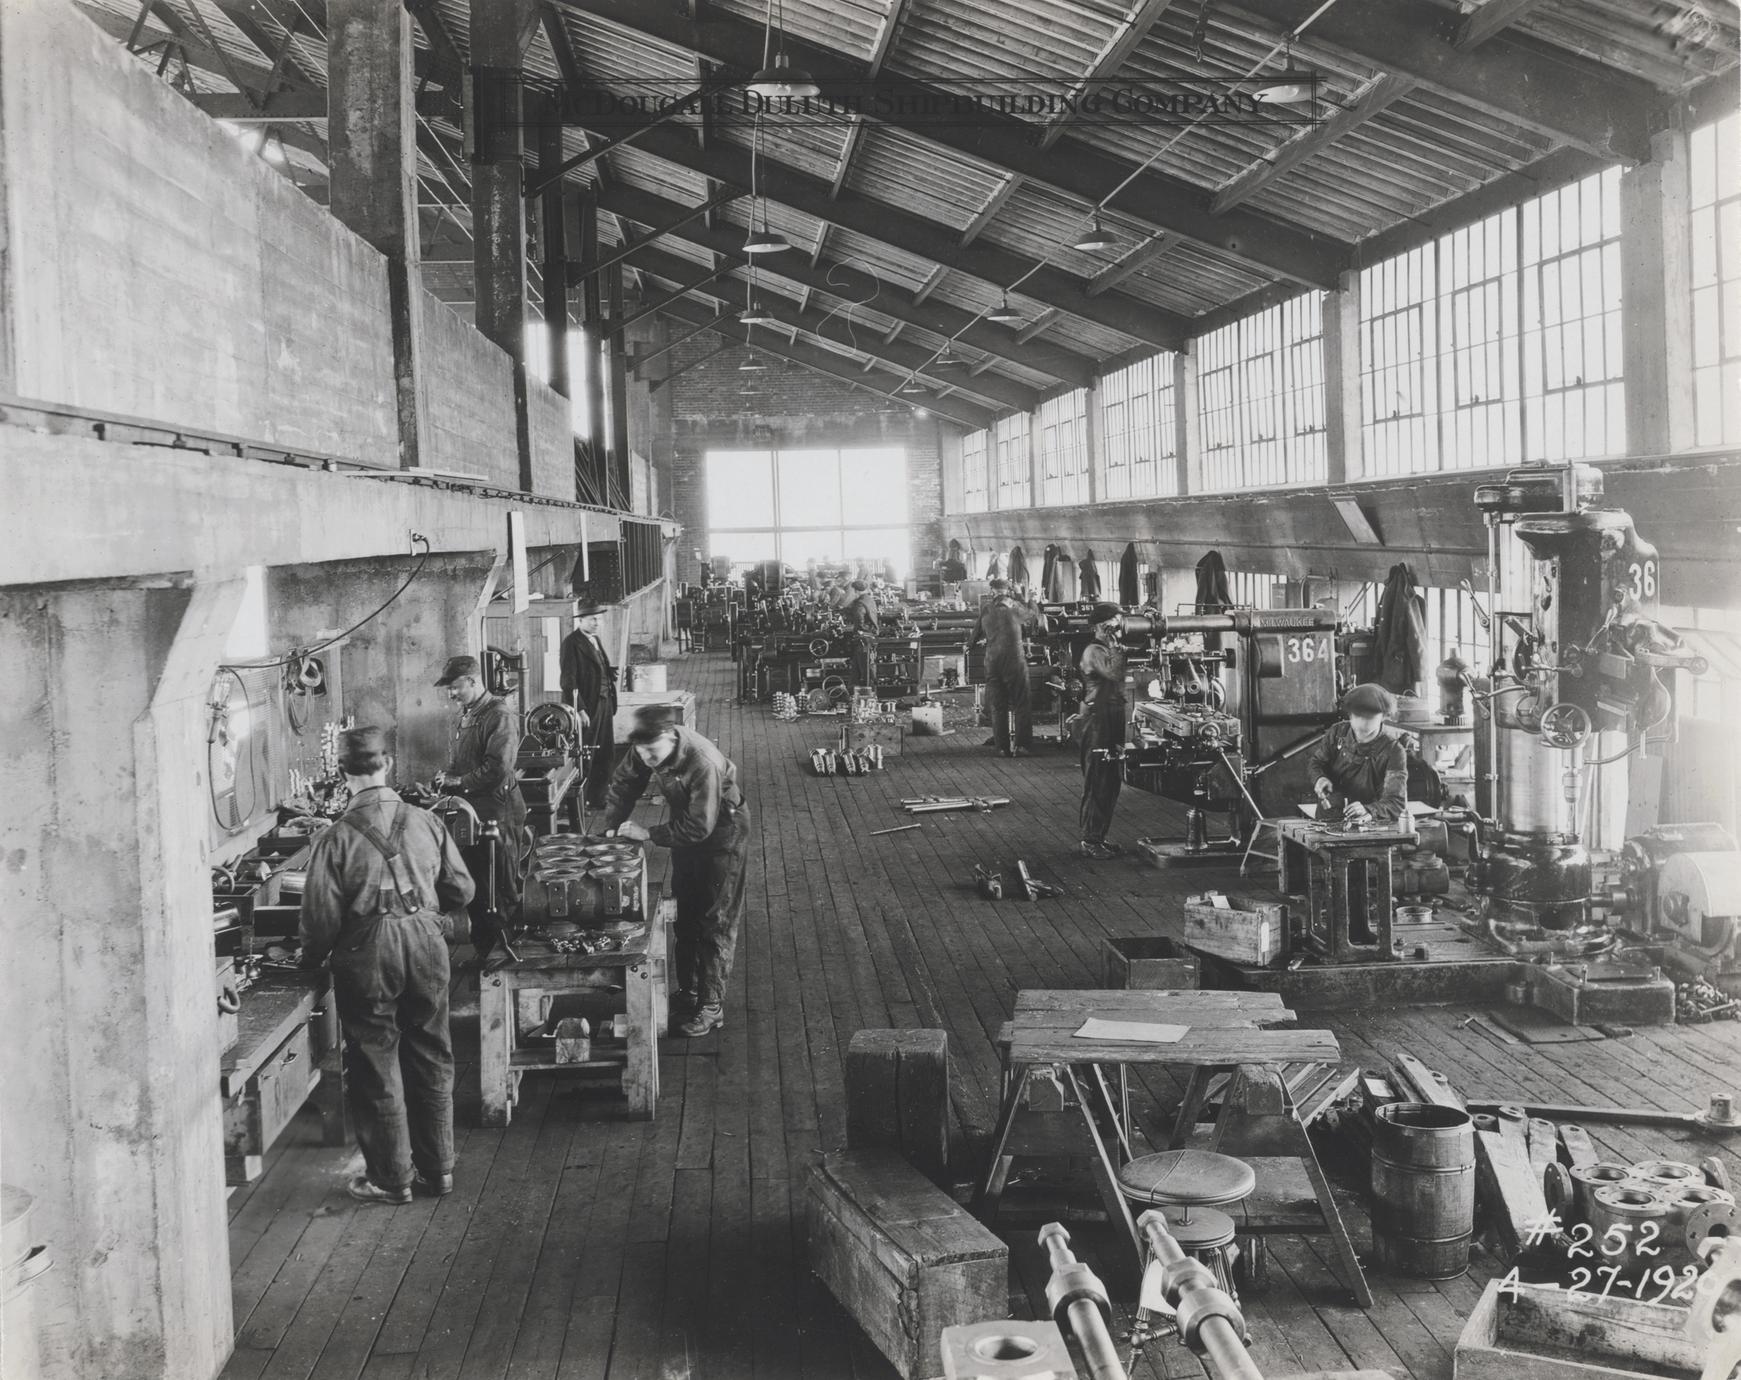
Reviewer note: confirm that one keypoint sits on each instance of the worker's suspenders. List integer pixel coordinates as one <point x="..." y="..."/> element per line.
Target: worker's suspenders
<point x="402" y="886"/>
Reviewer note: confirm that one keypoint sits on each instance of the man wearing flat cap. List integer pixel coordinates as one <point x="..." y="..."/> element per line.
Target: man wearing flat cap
<point x="707" y="829"/>
<point x="1358" y="768"/>
<point x="481" y="772"/>
<point x="1103" y="732"/>
<point x="380" y="881"/>
<point x="589" y="684"/>
<point x="1001" y="626"/>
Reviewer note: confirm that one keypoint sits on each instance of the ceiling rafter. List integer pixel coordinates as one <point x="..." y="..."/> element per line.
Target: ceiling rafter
<point x="988" y="212"/>
<point x="849" y="282"/>
<point x="1125" y="40"/>
<point x="1132" y="263"/>
<point x="1479" y="25"/>
<point x="1082" y="172"/>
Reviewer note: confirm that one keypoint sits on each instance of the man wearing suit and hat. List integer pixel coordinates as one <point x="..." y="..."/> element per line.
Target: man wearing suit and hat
<point x="482" y="773"/>
<point x="589" y="684"/>
<point x="707" y="829"/>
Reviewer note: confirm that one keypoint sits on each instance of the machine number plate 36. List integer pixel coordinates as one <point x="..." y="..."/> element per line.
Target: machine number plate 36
<point x="1297" y="649"/>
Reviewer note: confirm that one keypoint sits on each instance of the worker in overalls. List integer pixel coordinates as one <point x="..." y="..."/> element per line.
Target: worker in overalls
<point x="707" y="829"/>
<point x="862" y="617"/>
<point x="482" y="773"/>
<point x="1001" y="625"/>
<point x="1102" y="724"/>
<point x="381" y="880"/>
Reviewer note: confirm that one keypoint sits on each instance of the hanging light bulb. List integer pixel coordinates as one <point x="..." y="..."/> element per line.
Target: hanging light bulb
<point x="753" y="314"/>
<point x="779" y="78"/>
<point x="948" y="359"/>
<point x="1095" y="238"/>
<point x="1005" y="315"/>
<point x="765" y="241"/>
<point x="1290" y="86"/>
<point x="751" y="361"/>
<point x="912" y="385"/>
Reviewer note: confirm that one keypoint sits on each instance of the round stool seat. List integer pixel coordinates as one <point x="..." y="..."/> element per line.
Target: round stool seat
<point x="1187" y="1178"/>
<point x="1201" y="1229"/>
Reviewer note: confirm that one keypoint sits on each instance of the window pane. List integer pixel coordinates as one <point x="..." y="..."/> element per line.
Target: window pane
<point x="740" y="489"/>
<point x="876" y="547"/>
<point x="743" y="548"/>
<point x="800" y="548"/>
<point x="873" y="485"/>
<point x="809" y="488"/>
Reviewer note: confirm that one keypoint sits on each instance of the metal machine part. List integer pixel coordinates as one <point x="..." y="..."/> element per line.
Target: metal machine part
<point x="1582" y="666"/>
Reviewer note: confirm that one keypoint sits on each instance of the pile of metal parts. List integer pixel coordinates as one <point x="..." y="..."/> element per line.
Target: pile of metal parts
<point x="1648" y="1215"/>
<point x="1697" y="1002"/>
<point x="990" y="885"/>
<point x="943" y="804"/>
<point x="846" y="761"/>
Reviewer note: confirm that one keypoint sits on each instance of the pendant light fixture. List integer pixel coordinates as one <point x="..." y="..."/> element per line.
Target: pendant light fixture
<point x="1095" y="238"/>
<point x="778" y="78"/>
<point x="753" y="314"/>
<point x="912" y="385"/>
<point x="752" y="361"/>
<point x="763" y="241"/>
<point x="1005" y="315"/>
<point x="1290" y="86"/>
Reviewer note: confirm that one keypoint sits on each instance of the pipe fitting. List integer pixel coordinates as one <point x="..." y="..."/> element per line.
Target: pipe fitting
<point x="1198" y="1306"/>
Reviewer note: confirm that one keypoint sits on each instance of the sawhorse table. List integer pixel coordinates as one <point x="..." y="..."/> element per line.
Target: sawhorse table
<point x="1226" y="1032"/>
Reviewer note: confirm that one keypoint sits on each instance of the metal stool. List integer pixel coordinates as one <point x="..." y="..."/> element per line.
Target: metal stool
<point x="1188" y="1185"/>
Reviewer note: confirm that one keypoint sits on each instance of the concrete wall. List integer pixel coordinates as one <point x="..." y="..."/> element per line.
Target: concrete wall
<point x="110" y="1062"/>
<point x="155" y="268"/>
<point x="548" y="416"/>
<point x="797" y="408"/>
<point x="469" y="394"/>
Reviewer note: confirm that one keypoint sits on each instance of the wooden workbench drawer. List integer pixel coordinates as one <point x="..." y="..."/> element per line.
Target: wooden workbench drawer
<point x="266" y="1102"/>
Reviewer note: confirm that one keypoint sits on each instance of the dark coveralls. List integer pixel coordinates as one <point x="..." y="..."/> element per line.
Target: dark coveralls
<point x="1006" y="671"/>
<point x="1103" y="728"/>
<point x="390" y="976"/>
<point x="707" y="829"/>
<point x="484" y="748"/>
<point x="589" y="683"/>
<point x="1377" y="775"/>
<point x="862" y="618"/>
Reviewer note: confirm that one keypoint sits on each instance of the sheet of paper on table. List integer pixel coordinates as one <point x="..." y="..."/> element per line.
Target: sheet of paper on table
<point x="1132" y="1032"/>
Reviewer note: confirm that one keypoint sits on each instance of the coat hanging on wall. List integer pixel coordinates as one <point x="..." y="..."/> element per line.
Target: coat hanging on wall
<point x="994" y="571"/>
<point x="1401" y="632"/>
<point x="1018" y="566"/>
<point x="1128" y="592"/>
<point x="1049" y="573"/>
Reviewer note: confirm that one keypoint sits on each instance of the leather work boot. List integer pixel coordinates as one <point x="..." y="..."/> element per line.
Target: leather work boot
<point x="366" y="1190"/>
<point x="1099" y="852"/>
<point x="433" y="1185"/>
<point x="705" y="1021"/>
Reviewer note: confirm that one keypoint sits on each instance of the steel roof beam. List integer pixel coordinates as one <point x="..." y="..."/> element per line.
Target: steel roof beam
<point x="1082" y="171"/>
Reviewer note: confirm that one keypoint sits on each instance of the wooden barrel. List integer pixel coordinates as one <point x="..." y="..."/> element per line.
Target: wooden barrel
<point x="1423" y="1189"/>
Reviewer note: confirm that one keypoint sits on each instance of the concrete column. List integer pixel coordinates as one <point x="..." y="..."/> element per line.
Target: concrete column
<point x="388" y="667"/>
<point x="110" y="1064"/>
<point x="1091" y="443"/>
<point x="1187" y="428"/>
<point x="372" y="140"/>
<point x="617" y="382"/>
<point x="553" y="208"/>
<point x="1342" y="440"/>
<point x="500" y="30"/>
<point x="1656" y="290"/>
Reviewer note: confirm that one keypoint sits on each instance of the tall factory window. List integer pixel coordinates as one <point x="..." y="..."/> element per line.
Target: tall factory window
<point x="1064" y="448"/>
<point x="798" y="506"/>
<point x="1399" y="397"/>
<point x="1261" y="392"/>
<point x="1136" y="427"/>
<point x="975" y="489"/>
<point x="1013" y="468"/>
<point x="1715" y="158"/>
<point x="1574" y="402"/>
<point x="1253" y="588"/>
<point x="1479" y="364"/>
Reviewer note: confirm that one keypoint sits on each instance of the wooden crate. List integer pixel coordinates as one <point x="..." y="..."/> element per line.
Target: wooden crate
<point x="1253" y="932"/>
<point x="888" y="737"/>
<point x="897" y="1096"/>
<point x="902" y="1256"/>
<point x="1535" y="1332"/>
<point x="1148" y="963"/>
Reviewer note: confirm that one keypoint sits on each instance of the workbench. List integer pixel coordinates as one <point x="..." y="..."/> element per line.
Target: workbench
<point x="639" y="966"/>
<point x="1321" y="860"/>
<point x="1224" y="1030"/>
<point x="288" y="1051"/>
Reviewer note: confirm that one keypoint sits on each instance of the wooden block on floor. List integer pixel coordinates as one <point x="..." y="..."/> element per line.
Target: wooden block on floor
<point x="901" y="1256"/>
<point x="1148" y="963"/>
<point x="897" y="1096"/>
<point x="1535" y="1332"/>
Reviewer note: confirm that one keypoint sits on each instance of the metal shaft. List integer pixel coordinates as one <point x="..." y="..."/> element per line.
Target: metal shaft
<point x="1089" y="1328"/>
<point x="1218" y="1339"/>
<point x="1073" y="1280"/>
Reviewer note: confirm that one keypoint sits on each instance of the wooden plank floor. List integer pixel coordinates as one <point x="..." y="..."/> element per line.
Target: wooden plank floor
<point x="579" y="1244"/>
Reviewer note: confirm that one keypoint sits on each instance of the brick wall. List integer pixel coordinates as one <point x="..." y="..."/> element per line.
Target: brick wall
<point x="797" y="408"/>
